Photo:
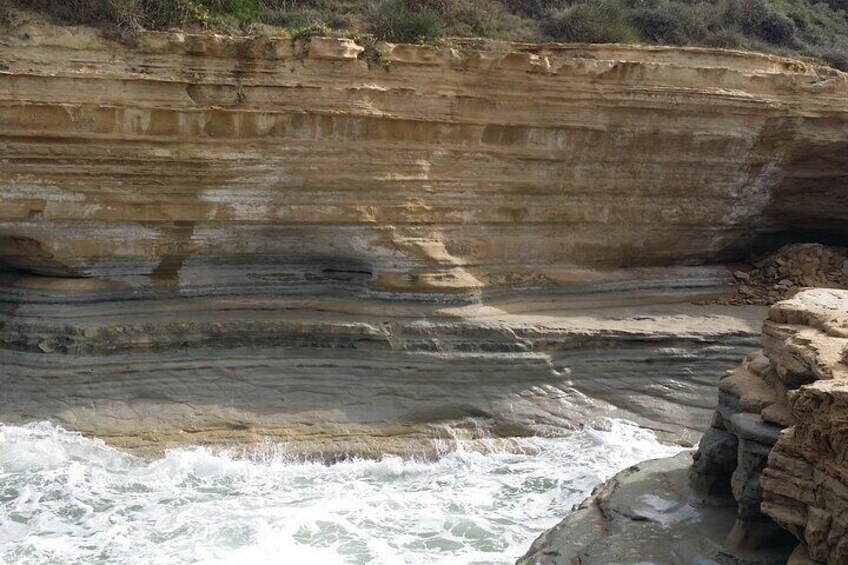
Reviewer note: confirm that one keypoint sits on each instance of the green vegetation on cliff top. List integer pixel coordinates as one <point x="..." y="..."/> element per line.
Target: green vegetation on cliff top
<point x="813" y="29"/>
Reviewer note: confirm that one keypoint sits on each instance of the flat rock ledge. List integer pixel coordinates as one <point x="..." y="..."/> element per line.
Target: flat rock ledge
<point x="648" y="514"/>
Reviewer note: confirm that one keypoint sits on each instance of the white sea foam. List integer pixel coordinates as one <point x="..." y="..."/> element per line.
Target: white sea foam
<point x="65" y="499"/>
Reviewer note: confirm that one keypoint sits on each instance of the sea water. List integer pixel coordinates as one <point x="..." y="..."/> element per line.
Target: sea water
<point x="66" y="499"/>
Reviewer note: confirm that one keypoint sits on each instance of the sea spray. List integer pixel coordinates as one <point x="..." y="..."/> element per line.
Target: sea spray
<point x="66" y="499"/>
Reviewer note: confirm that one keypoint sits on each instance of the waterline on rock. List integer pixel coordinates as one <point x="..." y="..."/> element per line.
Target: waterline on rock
<point x="66" y="499"/>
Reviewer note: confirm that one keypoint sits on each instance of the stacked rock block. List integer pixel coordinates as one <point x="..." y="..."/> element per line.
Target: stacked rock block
<point x="731" y="457"/>
<point x="779" y="437"/>
<point x="805" y="486"/>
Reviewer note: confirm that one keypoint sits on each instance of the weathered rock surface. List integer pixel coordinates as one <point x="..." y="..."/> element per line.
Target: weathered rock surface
<point x="796" y="478"/>
<point x="647" y="514"/>
<point x="774" y="462"/>
<point x="209" y="237"/>
<point x="805" y="486"/>
<point x="143" y="374"/>
<point x="211" y="164"/>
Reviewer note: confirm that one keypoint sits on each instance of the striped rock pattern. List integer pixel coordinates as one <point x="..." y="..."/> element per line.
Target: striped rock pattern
<point x="210" y="237"/>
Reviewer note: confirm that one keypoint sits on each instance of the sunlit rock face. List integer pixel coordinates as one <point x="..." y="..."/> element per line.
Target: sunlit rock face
<point x="434" y="170"/>
<point x="805" y="485"/>
<point x="778" y="437"/>
<point x="210" y="237"/>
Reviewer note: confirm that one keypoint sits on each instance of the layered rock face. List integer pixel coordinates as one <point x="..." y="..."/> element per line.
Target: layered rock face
<point x="209" y="237"/>
<point x="805" y="485"/>
<point x="203" y="163"/>
<point x="335" y="382"/>
<point x="770" y="471"/>
<point x="797" y="477"/>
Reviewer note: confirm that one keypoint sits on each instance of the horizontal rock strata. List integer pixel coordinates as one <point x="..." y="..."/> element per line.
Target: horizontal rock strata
<point x="208" y="237"/>
<point x="335" y="381"/>
<point x="770" y="471"/>
<point x="796" y="478"/>
<point x="301" y="163"/>
<point x="805" y="486"/>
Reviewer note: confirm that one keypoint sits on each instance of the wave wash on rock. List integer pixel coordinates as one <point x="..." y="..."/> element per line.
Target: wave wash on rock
<point x="210" y="237"/>
<point x="769" y="472"/>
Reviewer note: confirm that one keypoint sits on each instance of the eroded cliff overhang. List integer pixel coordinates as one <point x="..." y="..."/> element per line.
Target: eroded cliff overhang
<point x="262" y="161"/>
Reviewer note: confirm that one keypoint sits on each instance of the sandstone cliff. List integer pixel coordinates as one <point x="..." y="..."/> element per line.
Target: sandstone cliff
<point x="771" y="470"/>
<point x="797" y="477"/>
<point x="207" y="237"/>
<point x="405" y="168"/>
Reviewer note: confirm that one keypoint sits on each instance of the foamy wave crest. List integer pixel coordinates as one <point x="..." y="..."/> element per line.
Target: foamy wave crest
<point x="66" y="499"/>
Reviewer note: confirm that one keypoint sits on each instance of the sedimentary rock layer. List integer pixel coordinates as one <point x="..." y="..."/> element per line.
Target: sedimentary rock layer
<point x="798" y="477"/>
<point x="772" y="465"/>
<point x="805" y="486"/>
<point x="336" y="242"/>
<point x="332" y="381"/>
<point x="260" y="161"/>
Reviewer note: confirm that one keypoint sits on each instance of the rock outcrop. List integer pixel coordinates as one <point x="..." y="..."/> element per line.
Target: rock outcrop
<point x="207" y="164"/>
<point x="779" y="433"/>
<point x="143" y="375"/>
<point x="647" y="514"/>
<point x="208" y="237"/>
<point x="770" y="471"/>
<point x="805" y="485"/>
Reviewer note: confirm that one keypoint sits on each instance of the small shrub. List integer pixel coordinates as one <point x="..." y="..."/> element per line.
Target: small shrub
<point x="402" y="22"/>
<point x="129" y="14"/>
<point x="836" y="56"/>
<point x="5" y="11"/>
<point x="372" y="56"/>
<point x="660" y="25"/>
<point x="758" y="19"/>
<point x="156" y="14"/>
<point x="308" y="31"/>
<point x="533" y="8"/>
<point x="239" y="10"/>
<point x="838" y="4"/>
<point x="596" y="22"/>
<point x="71" y="11"/>
<point x="724" y="39"/>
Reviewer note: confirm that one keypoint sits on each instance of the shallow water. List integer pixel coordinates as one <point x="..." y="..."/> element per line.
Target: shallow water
<point x="65" y="499"/>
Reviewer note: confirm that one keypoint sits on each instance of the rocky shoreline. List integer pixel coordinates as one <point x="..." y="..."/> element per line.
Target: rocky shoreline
<point x="769" y="473"/>
<point x="211" y="239"/>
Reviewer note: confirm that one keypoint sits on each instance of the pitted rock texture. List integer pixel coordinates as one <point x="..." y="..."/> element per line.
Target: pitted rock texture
<point x="796" y="478"/>
<point x="270" y="162"/>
